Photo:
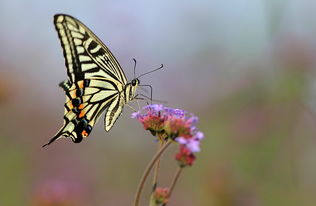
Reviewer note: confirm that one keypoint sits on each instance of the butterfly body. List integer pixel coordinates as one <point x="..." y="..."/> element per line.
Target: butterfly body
<point x="96" y="82"/>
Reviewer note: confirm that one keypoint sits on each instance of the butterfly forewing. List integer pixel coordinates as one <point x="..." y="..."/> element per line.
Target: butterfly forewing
<point x="96" y="80"/>
<point x="84" y="52"/>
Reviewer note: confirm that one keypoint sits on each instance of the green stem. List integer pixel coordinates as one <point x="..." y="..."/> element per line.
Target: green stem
<point x="174" y="181"/>
<point x="156" y="170"/>
<point x="152" y="201"/>
<point x="147" y="171"/>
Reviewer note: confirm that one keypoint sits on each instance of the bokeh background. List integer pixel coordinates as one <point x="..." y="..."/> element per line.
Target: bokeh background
<point x="245" y="67"/>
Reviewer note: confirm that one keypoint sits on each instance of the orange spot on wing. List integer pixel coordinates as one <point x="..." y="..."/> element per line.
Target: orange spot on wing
<point x="84" y="133"/>
<point x="80" y="84"/>
<point x="70" y="106"/>
<point x="73" y="94"/>
<point x="82" y="113"/>
<point x="81" y="106"/>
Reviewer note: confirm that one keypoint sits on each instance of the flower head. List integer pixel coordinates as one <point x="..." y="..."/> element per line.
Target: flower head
<point x="152" y="119"/>
<point x="176" y="127"/>
<point x="185" y="156"/>
<point x="175" y="124"/>
<point x="160" y="196"/>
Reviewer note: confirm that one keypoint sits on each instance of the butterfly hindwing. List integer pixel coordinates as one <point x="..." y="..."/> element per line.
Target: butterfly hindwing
<point x="83" y="107"/>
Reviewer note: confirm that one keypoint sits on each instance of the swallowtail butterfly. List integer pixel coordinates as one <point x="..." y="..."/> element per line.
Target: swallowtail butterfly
<point x="96" y="81"/>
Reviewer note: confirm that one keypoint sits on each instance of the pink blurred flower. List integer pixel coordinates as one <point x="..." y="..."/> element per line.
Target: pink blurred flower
<point x="57" y="193"/>
<point x="185" y="157"/>
<point x="192" y="142"/>
<point x="152" y="119"/>
<point x="160" y="196"/>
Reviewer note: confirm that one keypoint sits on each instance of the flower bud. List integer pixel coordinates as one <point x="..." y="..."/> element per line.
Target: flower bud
<point x="160" y="196"/>
<point x="185" y="157"/>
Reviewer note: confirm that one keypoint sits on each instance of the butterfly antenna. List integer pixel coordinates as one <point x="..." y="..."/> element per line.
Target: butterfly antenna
<point x="161" y="66"/>
<point x="134" y="67"/>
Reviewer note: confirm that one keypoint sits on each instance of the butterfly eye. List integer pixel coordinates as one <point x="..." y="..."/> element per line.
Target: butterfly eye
<point x="133" y="82"/>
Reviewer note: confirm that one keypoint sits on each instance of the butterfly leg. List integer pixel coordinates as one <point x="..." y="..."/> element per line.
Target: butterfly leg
<point x="151" y="100"/>
<point x="131" y="107"/>
<point x="138" y="105"/>
<point x="138" y="98"/>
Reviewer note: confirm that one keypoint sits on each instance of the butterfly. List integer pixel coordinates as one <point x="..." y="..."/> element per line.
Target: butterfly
<point x="96" y="81"/>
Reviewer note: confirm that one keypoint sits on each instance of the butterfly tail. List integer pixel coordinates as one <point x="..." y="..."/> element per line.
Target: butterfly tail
<point x="57" y="136"/>
<point x="66" y="131"/>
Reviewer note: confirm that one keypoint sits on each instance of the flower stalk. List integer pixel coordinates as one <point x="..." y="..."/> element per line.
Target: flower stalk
<point x="156" y="169"/>
<point x="147" y="171"/>
<point x="174" y="182"/>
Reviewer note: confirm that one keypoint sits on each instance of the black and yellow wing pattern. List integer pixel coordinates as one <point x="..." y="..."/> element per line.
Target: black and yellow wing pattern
<point x="96" y="81"/>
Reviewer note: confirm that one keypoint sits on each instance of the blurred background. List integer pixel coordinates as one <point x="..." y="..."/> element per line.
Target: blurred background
<point x="246" y="68"/>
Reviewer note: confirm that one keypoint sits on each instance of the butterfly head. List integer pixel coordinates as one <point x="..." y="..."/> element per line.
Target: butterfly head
<point x="130" y="89"/>
<point x="135" y="82"/>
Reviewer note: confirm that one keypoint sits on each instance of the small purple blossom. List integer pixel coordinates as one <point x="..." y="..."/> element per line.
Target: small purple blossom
<point x="154" y="107"/>
<point x="135" y="115"/>
<point x="199" y="135"/>
<point x="193" y="119"/>
<point x="193" y="144"/>
<point x="175" y="112"/>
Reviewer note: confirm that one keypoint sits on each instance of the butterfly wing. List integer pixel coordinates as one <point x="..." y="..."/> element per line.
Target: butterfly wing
<point x="114" y="111"/>
<point x="85" y="55"/>
<point x="95" y="79"/>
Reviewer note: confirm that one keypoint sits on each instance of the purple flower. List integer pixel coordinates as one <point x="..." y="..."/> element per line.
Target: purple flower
<point x="175" y="112"/>
<point x="151" y="117"/>
<point x="175" y="124"/>
<point x="154" y="107"/>
<point x="193" y="119"/>
<point x="135" y="115"/>
<point x="199" y="135"/>
<point x="193" y="144"/>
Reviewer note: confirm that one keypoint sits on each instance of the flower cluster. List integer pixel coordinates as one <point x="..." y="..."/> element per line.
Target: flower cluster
<point x="160" y="195"/>
<point x="153" y="118"/>
<point x="175" y="124"/>
<point x="185" y="157"/>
